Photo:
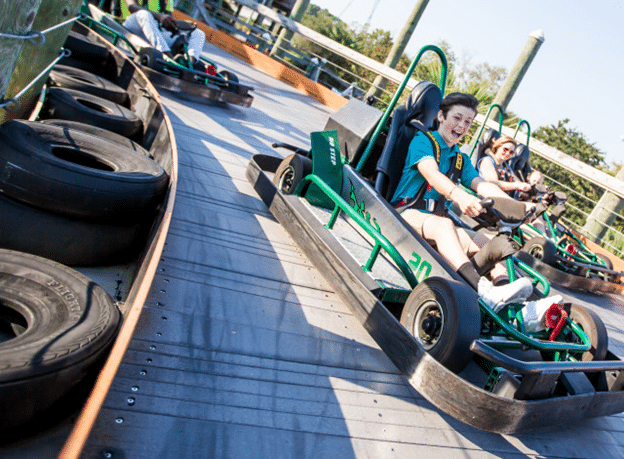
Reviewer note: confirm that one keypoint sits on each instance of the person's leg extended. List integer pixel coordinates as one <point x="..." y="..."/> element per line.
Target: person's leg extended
<point x="142" y="23"/>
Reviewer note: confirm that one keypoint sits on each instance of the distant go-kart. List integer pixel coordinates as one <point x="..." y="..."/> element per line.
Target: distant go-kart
<point x="556" y="246"/>
<point x="202" y="81"/>
<point x="419" y="310"/>
<point x="560" y="247"/>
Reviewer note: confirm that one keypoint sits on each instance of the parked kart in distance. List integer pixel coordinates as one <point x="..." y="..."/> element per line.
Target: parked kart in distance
<point x="202" y="81"/>
<point x="384" y="271"/>
<point x="568" y="261"/>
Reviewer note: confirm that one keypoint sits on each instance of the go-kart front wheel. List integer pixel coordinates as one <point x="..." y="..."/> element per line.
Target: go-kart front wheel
<point x="290" y="172"/>
<point x="443" y="315"/>
<point x="541" y="249"/>
<point x="150" y="58"/>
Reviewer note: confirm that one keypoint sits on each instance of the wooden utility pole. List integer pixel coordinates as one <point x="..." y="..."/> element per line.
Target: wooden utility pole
<point x="604" y="213"/>
<point x="511" y="83"/>
<point x="399" y="46"/>
<point x="286" y="35"/>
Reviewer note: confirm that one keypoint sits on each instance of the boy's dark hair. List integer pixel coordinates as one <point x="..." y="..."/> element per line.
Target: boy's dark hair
<point x="456" y="98"/>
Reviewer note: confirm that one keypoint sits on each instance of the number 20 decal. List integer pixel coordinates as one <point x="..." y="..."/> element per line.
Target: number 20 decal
<point x="421" y="268"/>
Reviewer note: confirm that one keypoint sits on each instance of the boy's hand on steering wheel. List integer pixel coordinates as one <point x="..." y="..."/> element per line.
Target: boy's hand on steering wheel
<point x="523" y="186"/>
<point x="469" y="205"/>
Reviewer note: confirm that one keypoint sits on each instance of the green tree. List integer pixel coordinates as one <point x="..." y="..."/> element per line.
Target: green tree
<point x="572" y="142"/>
<point x="482" y="80"/>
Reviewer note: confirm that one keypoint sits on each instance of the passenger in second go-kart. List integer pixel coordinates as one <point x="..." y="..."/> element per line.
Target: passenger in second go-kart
<point x="145" y="24"/>
<point x="425" y="185"/>
<point x="491" y="166"/>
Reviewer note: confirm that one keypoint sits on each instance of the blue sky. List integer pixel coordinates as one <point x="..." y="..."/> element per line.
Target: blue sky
<point x="577" y="73"/>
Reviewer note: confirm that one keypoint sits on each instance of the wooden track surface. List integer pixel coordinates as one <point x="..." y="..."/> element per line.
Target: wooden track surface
<point x="243" y="351"/>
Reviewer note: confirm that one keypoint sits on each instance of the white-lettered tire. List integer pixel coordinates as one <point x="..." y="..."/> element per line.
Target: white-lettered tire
<point x="56" y="325"/>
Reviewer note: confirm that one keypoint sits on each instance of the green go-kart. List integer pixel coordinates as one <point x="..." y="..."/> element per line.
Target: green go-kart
<point x="425" y="317"/>
<point x="196" y="81"/>
<point x="553" y="248"/>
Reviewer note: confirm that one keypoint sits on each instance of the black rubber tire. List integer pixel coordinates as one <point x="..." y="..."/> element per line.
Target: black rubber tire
<point x="57" y="325"/>
<point x="290" y="172"/>
<point x="68" y="241"/>
<point x="90" y="56"/>
<point x="607" y="277"/>
<point x="230" y="78"/>
<point x="99" y="132"/>
<point x="593" y="326"/>
<point x="68" y="104"/>
<point x="444" y="317"/>
<point x="77" y="175"/>
<point x="83" y="48"/>
<point x="541" y="249"/>
<point x="150" y="58"/>
<point x="72" y="78"/>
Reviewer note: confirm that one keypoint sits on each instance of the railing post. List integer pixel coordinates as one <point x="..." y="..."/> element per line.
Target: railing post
<point x="603" y="214"/>
<point x="511" y="83"/>
<point x="398" y="47"/>
<point x="286" y="35"/>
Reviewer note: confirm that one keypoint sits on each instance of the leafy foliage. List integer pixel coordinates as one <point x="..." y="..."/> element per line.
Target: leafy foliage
<point x="572" y="142"/>
<point x="483" y="80"/>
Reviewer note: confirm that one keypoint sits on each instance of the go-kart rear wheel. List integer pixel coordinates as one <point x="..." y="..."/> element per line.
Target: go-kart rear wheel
<point x="607" y="277"/>
<point x="594" y="328"/>
<point x="541" y="249"/>
<point x="290" y="172"/>
<point x="443" y="315"/>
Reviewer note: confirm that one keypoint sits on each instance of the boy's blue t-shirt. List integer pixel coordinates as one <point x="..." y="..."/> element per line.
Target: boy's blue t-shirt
<point x="420" y="148"/>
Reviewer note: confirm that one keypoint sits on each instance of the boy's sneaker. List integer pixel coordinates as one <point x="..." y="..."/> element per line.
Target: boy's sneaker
<point x="496" y="297"/>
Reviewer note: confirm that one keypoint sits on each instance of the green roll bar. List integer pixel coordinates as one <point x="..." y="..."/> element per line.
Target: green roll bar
<point x="520" y="123"/>
<point x="384" y="119"/>
<point x="501" y="116"/>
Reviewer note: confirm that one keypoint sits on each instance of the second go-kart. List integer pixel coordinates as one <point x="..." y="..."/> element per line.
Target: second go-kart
<point x="421" y="312"/>
<point x="553" y="248"/>
<point x="199" y="81"/>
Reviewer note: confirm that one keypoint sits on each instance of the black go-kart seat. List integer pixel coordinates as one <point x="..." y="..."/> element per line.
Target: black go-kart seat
<point x="485" y="144"/>
<point x="418" y="113"/>
<point x="519" y="162"/>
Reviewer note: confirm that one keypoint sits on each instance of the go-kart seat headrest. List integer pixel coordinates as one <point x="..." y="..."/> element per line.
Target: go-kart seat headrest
<point x="519" y="162"/>
<point x="485" y="143"/>
<point x="418" y="113"/>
